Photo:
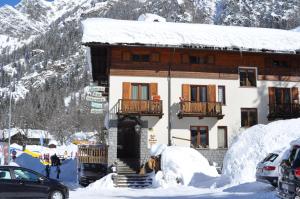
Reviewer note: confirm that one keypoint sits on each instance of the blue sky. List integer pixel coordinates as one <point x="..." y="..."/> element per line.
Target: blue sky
<point x="10" y="2"/>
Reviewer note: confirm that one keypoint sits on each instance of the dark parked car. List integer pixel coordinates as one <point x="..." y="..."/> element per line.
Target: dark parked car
<point x="289" y="175"/>
<point x="18" y="182"/>
<point x="90" y="172"/>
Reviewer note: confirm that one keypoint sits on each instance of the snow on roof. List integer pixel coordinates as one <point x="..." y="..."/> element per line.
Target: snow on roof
<point x="31" y="133"/>
<point x="167" y="34"/>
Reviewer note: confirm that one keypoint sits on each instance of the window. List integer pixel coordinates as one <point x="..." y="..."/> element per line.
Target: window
<point x="199" y="93"/>
<point x="140" y="58"/>
<point x="199" y="136"/>
<point x="282" y="96"/>
<point x="222" y="137"/>
<point x="279" y="63"/>
<point x="248" y="117"/>
<point x="247" y="77"/>
<point x="140" y="91"/>
<point x="4" y="174"/>
<point x="221" y="94"/>
<point x="201" y="59"/>
<point x="25" y="175"/>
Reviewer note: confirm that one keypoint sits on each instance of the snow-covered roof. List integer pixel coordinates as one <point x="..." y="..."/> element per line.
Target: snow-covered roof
<point x="179" y="35"/>
<point x="31" y="133"/>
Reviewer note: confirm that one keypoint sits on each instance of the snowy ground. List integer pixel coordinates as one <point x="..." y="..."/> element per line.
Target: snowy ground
<point x="254" y="190"/>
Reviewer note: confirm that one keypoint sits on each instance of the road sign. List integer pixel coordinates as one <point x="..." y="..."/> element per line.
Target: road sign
<point x="97" y="105"/>
<point x="96" y="99"/>
<point x="97" y="88"/>
<point x="96" y="111"/>
<point x="96" y="94"/>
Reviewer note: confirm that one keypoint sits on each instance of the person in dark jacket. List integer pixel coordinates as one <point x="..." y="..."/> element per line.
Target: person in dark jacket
<point x="55" y="161"/>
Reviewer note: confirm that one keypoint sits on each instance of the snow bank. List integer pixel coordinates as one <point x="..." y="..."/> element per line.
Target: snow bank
<point x="252" y="145"/>
<point x="182" y="165"/>
<point x="105" y="182"/>
<point x="151" y="17"/>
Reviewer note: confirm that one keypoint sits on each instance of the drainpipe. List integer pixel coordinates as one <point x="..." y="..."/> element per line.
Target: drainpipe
<point x="169" y="99"/>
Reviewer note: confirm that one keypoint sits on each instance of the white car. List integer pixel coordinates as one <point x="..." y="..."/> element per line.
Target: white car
<point x="267" y="170"/>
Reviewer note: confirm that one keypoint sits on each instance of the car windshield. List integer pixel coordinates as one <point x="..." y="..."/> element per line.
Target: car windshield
<point x="271" y="157"/>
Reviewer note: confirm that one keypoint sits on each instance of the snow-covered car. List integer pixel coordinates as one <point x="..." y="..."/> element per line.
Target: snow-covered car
<point x="267" y="169"/>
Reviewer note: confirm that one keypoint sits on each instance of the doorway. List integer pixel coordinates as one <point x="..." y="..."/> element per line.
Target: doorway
<point x="128" y="140"/>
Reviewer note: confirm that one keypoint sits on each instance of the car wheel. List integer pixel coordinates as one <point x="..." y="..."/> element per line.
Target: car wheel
<point x="56" y="195"/>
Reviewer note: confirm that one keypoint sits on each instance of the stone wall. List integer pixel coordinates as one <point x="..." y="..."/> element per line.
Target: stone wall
<point x="214" y="155"/>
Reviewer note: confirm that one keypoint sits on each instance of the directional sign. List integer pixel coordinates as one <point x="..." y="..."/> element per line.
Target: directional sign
<point x="96" y="99"/>
<point x="97" y="105"/>
<point x="96" y="111"/>
<point x="97" y="88"/>
<point x="96" y="94"/>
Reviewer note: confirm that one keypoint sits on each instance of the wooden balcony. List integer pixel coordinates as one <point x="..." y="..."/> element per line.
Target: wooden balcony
<point x="140" y="107"/>
<point x="200" y="109"/>
<point x="284" y="111"/>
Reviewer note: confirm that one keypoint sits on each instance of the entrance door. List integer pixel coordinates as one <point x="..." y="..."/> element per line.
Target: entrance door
<point x="128" y="140"/>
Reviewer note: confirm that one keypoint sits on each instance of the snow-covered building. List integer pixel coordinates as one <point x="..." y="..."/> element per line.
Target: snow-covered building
<point x="191" y="85"/>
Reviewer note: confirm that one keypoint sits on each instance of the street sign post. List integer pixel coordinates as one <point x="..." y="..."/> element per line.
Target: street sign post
<point x="96" y="111"/>
<point x="97" y="88"/>
<point x="97" y="105"/>
<point x="96" y="99"/>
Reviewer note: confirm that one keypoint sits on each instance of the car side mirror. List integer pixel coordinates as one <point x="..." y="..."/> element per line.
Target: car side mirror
<point x="41" y="179"/>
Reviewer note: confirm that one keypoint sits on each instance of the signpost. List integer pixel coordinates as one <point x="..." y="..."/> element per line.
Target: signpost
<point x="97" y="89"/>
<point x="97" y="105"/>
<point x="97" y="99"/>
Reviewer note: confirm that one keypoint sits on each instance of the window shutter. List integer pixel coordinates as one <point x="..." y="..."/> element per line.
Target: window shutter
<point x="126" y="56"/>
<point x="153" y="90"/>
<point x="186" y="92"/>
<point x="185" y="59"/>
<point x="211" y="92"/>
<point x="295" y="94"/>
<point x="271" y="95"/>
<point x="155" y="57"/>
<point x="126" y="90"/>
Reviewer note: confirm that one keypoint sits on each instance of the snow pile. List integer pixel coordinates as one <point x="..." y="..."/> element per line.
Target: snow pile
<point x="151" y="18"/>
<point x="182" y="165"/>
<point x="105" y="182"/>
<point x="252" y="145"/>
<point x="116" y="32"/>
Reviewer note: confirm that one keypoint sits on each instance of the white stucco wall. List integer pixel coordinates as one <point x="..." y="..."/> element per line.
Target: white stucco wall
<point x="236" y="98"/>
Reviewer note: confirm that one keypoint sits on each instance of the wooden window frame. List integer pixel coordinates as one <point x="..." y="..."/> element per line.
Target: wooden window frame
<point x="226" y="137"/>
<point x="248" y="110"/>
<point x="198" y="92"/>
<point x="140" y="89"/>
<point x="247" y="69"/>
<point x="223" y="102"/>
<point x="141" y="57"/>
<point x="206" y="59"/>
<point x="199" y="137"/>
<point x="279" y="63"/>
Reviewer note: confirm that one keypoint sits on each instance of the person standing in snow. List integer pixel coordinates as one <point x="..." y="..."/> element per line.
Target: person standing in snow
<point x="55" y="161"/>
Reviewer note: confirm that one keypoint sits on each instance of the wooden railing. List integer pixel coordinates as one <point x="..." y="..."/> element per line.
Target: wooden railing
<point x="200" y="109"/>
<point x="92" y="154"/>
<point x="141" y="107"/>
<point x="285" y="111"/>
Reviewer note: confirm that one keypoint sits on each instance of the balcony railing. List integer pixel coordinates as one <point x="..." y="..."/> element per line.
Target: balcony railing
<point x="200" y="109"/>
<point x="140" y="107"/>
<point x="284" y="111"/>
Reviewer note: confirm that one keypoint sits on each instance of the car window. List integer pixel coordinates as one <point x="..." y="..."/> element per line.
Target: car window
<point x="5" y="174"/>
<point x="271" y="157"/>
<point x="25" y="175"/>
<point x="296" y="162"/>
